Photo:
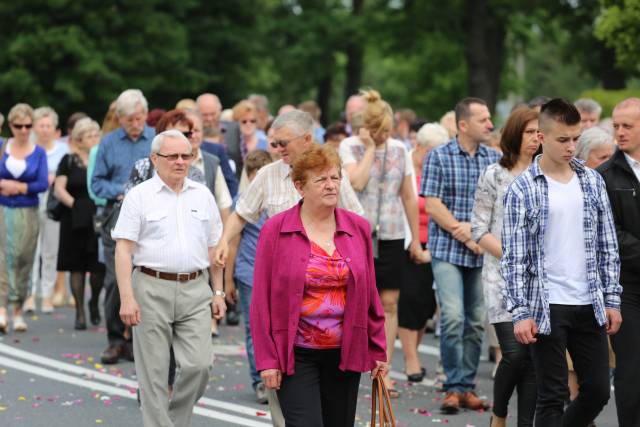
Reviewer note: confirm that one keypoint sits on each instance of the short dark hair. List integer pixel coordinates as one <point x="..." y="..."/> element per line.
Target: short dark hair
<point x="463" y="108"/>
<point x="73" y="119"/>
<point x="511" y="137"/>
<point x="417" y="124"/>
<point x="559" y="110"/>
<point x="334" y="130"/>
<point x="255" y="160"/>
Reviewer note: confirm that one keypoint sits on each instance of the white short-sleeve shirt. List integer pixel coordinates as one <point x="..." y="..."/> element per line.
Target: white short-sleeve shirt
<point x="172" y="231"/>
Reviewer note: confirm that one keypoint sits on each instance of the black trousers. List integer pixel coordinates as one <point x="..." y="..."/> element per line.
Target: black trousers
<point x="627" y="377"/>
<point x="573" y="328"/>
<point x="115" y="326"/>
<point x="515" y="371"/>
<point x="318" y="394"/>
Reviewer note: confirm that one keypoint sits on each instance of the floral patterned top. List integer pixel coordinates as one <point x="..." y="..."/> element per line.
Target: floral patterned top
<point x="323" y="302"/>
<point x="398" y="165"/>
<point x="488" y="214"/>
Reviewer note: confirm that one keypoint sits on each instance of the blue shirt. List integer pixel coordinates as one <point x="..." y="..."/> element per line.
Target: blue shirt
<point x="116" y="155"/>
<point x="247" y="251"/>
<point x="451" y="174"/>
<point x="526" y="216"/>
<point x="229" y="176"/>
<point x="35" y="175"/>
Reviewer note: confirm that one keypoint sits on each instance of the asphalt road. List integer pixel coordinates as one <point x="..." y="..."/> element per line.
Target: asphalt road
<point x="51" y="376"/>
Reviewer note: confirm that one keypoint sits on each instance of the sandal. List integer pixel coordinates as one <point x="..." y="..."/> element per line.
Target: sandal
<point x="19" y="324"/>
<point x="393" y="393"/>
<point x="3" y="324"/>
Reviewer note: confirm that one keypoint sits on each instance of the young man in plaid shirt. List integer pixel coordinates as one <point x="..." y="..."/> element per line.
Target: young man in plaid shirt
<point x="561" y="266"/>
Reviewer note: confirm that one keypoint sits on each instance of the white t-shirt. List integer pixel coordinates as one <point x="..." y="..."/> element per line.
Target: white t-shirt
<point x="565" y="258"/>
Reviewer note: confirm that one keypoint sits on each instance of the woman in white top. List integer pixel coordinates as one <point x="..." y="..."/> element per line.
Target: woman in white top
<point x="380" y="170"/>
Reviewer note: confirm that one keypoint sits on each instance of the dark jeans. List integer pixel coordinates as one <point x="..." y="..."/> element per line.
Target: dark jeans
<point x="514" y="371"/>
<point x="319" y="394"/>
<point x="573" y="328"/>
<point x="627" y="377"/>
<point x="115" y="327"/>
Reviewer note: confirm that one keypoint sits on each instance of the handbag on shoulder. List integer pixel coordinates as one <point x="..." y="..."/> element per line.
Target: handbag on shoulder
<point x="381" y="409"/>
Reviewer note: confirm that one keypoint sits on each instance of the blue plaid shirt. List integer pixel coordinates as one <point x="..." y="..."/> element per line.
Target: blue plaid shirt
<point x="526" y="213"/>
<point x="451" y="174"/>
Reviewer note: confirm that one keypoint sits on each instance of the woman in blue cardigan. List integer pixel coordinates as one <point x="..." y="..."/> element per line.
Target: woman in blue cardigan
<point x="23" y="174"/>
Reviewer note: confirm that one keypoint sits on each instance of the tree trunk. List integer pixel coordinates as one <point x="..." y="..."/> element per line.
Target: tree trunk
<point x="355" y="52"/>
<point x="485" y="51"/>
<point x="611" y="77"/>
<point x="324" y="97"/>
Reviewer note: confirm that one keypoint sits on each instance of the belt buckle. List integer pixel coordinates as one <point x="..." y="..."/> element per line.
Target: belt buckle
<point x="183" y="277"/>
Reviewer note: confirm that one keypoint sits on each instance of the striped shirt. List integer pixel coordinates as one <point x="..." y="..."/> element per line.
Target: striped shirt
<point x="526" y="217"/>
<point x="272" y="191"/>
<point x="451" y="174"/>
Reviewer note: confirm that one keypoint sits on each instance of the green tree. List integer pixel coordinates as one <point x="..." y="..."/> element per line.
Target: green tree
<point x="619" y="27"/>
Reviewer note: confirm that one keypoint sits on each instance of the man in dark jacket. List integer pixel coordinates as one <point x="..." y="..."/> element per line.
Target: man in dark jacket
<point x="622" y="176"/>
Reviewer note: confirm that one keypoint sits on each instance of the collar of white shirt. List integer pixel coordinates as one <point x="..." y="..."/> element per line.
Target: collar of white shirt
<point x="633" y="163"/>
<point x="159" y="184"/>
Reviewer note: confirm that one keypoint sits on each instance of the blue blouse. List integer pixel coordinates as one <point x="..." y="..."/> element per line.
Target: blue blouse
<point x="35" y="176"/>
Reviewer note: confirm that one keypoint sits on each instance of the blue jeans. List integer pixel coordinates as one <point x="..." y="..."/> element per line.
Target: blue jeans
<point x="462" y="312"/>
<point x="245" y="290"/>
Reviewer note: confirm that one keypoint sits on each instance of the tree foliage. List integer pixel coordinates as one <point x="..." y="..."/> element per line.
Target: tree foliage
<point x="619" y="27"/>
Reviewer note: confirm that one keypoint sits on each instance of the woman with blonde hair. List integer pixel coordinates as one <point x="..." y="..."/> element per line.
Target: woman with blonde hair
<point x="380" y="169"/>
<point x="245" y="113"/>
<point x="23" y="174"/>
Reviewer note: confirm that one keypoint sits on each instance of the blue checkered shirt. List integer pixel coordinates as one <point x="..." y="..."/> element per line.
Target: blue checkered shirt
<point x="451" y="174"/>
<point x="526" y="214"/>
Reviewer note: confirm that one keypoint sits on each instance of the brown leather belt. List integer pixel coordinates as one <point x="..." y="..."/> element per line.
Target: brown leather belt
<point x="174" y="277"/>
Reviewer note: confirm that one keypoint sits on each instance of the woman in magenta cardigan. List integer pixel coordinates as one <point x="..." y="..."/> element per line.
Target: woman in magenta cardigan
<point x="316" y="318"/>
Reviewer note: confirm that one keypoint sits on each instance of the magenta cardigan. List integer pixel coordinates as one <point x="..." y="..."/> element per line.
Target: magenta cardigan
<point x="278" y="284"/>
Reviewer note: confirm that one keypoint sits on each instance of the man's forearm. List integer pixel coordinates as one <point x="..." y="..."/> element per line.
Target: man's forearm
<point x="216" y="277"/>
<point x="124" y="267"/>
<point x="439" y="213"/>
<point x="233" y="227"/>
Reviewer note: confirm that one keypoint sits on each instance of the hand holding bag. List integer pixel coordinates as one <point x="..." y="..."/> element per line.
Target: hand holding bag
<point x="381" y="404"/>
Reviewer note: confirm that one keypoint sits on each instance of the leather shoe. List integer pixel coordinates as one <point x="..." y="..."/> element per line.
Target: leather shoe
<point x="233" y="319"/>
<point x="469" y="400"/>
<point x="451" y="403"/>
<point x="127" y="351"/>
<point x="111" y="355"/>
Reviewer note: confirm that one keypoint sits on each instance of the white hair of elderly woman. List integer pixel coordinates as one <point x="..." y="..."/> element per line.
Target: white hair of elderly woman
<point x="432" y="135"/>
<point x="158" y="140"/>
<point x="297" y="121"/>
<point x="84" y="125"/>
<point x="592" y="139"/>
<point x="129" y="101"/>
<point x="42" y="112"/>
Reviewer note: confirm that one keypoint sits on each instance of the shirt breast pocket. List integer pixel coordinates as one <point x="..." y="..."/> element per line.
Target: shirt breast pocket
<point x="533" y="220"/>
<point x="200" y="225"/>
<point x="156" y="225"/>
<point x="278" y="204"/>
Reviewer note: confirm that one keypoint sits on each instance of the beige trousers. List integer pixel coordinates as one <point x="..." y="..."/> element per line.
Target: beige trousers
<point x="177" y="314"/>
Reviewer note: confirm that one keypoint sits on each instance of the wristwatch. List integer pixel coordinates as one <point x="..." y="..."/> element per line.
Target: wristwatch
<point x="218" y="293"/>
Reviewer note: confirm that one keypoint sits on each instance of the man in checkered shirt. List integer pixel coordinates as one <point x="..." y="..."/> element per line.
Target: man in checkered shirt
<point x="561" y="266"/>
<point x="450" y="177"/>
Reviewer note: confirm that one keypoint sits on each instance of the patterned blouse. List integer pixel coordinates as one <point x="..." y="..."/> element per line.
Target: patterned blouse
<point x="488" y="213"/>
<point x="323" y="302"/>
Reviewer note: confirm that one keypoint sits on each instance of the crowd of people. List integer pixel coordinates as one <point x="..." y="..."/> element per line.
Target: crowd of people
<point x="331" y="243"/>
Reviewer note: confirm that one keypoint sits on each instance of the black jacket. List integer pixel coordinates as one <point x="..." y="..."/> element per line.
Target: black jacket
<point x="624" y="194"/>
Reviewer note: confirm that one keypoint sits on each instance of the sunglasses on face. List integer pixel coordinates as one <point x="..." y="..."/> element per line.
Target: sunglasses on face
<point x="188" y="134"/>
<point x="244" y="122"/>
<point x="22" y="126"/>
<point x="174" y="157"/>
<point x="283" y="142"/>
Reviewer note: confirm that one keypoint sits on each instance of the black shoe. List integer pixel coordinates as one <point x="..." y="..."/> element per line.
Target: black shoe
<point x="80" y="325"/>
<point x="111" y="355"/>
<point x="127" y="351"/>
<point x="233" y="319"/>
<point x="94" y="314"/>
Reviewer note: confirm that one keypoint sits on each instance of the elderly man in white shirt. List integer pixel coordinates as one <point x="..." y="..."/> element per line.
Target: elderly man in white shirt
<point x="166" y="232"/>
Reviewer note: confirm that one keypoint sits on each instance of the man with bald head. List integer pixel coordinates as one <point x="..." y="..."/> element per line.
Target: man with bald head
<point x="622" y="176"/>
<point x="355" y="104"/>
<point x="219" y="131"/>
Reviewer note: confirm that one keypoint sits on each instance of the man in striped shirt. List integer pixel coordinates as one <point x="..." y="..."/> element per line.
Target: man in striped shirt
<point x="561" y="266"/>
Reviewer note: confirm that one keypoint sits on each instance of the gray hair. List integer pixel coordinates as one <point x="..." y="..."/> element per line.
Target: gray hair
<point x="158" y="140"/>
<point x="260" y="101"/>
<point x="297" y="121"/>
<point x="82" y="126"/>
<point x="129" y="101"/>
<point x="592" y="139"/>
<point x="42" y="112"/>
<point x="20" y="110"/>
<point x="432" y="135"/>
<point x="588" y="105"/>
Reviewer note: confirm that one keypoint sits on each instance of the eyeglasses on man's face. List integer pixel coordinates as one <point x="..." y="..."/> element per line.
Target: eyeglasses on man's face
<point x="284" y="142"/>
<point x="174" y="157"/>
<point x="188" y="133"/>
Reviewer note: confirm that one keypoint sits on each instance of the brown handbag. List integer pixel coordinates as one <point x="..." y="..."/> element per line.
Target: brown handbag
<point x="381" y="404"/>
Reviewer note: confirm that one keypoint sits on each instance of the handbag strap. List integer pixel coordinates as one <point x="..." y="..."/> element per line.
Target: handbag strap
<point x="381" y="404"/>
<point x="383" y="175"/>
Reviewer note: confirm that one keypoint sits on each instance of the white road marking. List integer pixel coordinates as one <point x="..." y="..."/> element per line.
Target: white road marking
<point x="91" y="374"/>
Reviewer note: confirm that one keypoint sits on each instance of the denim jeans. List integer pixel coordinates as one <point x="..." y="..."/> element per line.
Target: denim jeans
<point x="459" y="291"/>
<point x="245" y="290"/>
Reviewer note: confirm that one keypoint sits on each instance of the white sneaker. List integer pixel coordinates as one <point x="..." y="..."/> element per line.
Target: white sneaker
<point x="29" y="305"/>
<point x="19" y="324"/>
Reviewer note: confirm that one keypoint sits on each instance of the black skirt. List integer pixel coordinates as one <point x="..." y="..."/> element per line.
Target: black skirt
<point x="417" y="302"/>
<point x="389" y="265"/>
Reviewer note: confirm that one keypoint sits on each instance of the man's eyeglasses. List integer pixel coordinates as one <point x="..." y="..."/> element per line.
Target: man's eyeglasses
<point x="174" y="157"/>
<point x="244" y="122"/>
<point x="188" y="134"/>
<point x="22" y="126"/>
<point x="283" y="142"/>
